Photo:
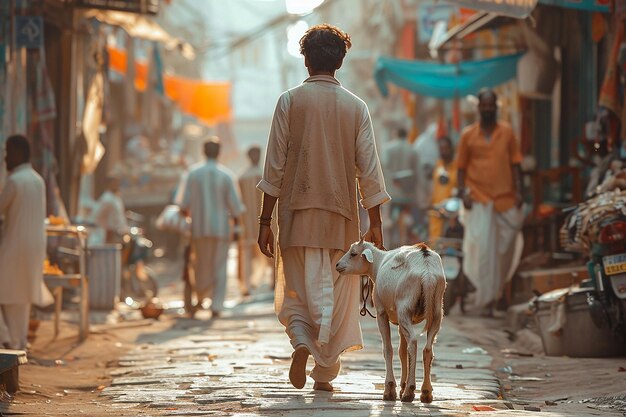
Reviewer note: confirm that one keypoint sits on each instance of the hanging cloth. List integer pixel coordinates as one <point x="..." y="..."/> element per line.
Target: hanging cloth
<point x="433" y="79"/>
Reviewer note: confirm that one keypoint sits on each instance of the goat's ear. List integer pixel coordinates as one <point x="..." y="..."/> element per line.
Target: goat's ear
<point x="368" y="255"/>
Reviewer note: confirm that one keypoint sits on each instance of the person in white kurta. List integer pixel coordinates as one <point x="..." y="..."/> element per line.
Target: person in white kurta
<point x="321" y="145"/>
<point x="110" y="214"/>
<point x="211" y="197"/>
<point x="253" y="263"/>
<point x="23" y="245"/>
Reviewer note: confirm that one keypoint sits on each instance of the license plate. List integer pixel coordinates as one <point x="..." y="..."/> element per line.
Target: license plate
<point x="614" y="264"/>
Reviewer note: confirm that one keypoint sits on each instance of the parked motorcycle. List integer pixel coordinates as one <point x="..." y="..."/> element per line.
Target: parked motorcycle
<point x="598" y="227"/>
<point x="138" y="280"/>
<point x="607" y="269"/>
<point x="450" y="248"/>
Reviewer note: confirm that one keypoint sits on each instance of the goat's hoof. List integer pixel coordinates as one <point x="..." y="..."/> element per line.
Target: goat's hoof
<point x="427" y="396"/>
<point x="409" y="394"/>
<point x="402" y="389"/>
<point x="390" y="392"/>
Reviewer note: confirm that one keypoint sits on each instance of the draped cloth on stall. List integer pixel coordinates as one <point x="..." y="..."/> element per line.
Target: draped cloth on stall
<point x="40" y="116"/>
<point x="445" y="81"/>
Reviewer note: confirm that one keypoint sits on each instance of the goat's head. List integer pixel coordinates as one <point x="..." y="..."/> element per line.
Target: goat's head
<point x="358" y="260"/>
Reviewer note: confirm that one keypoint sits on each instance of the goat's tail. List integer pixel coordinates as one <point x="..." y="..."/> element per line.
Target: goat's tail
<point x="433" y="286"/>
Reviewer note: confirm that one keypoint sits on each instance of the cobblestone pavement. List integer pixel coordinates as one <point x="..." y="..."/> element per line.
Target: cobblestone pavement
<point x="238" y="365"/>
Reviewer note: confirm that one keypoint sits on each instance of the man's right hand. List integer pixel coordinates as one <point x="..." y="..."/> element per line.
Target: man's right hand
<point x="266" y="240"/>
<point x="375" y="235"/>
<point x="467" y="201"/>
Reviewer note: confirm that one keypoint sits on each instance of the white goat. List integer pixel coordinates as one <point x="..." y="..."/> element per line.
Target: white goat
<point x="409" y="284"/>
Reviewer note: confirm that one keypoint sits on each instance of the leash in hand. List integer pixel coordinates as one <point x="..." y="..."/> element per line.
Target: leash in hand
<point x="367" y="287"/>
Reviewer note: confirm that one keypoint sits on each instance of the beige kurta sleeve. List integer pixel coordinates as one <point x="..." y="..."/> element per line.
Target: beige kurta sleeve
<point x="276" y="155"/>
<point x="368" y="171"/>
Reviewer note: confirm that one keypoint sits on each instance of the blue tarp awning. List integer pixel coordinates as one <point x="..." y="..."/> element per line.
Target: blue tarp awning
<point x="433" y="79"/>
<point x="601" y="6"/>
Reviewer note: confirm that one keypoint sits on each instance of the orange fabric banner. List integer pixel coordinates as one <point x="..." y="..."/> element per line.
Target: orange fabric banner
<point x="208" y="101"/>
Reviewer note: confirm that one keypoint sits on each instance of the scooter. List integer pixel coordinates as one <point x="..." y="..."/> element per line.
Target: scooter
<point x="450" y="248"/>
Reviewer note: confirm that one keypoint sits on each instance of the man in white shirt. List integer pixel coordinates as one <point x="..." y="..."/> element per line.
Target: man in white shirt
<point x="110" y="213"/>
<point x="23" y="245"/>
<point x="400" y="165"/>
<point x="211" y="197"/>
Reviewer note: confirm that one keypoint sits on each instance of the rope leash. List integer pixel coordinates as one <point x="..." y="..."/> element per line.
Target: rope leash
<point x="367" y="287"/>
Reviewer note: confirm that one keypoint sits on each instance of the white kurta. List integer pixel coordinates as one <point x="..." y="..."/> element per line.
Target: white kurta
<point x="252" y="261"/>
<point x="211" y="196"/>
<point x="23" y="246"/>
<point x="109" y="215"/>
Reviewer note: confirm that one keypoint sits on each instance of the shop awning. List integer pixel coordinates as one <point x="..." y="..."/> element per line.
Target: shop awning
<point x="601" y="6"/>
<point x="513" y="8"/>
<point x="479" y="21"/>
<point x="139" y="26"/>
<point x="433" y="79"/>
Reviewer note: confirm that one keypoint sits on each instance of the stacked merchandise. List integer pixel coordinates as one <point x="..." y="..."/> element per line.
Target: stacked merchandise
<point x="582" y="226"/>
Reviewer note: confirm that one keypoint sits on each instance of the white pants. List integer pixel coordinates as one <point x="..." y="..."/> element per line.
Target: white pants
<point x="318" y="308"/>
<point x="211" y="256"/>
<point x="492" y="248"/>
<point x="14" y="325"/>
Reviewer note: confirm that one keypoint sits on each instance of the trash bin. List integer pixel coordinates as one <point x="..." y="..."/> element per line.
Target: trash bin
<point x="104" y="270"/>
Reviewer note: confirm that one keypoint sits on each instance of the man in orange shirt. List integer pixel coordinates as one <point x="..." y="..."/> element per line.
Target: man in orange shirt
<point x="489" y="179"/>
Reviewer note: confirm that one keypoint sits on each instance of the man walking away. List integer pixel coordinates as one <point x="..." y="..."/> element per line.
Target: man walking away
<point x="252" y="199"/>
<point x="490" y="184"/>
<point x="211" y="197"/>
<point x="321" y="143"/>
<point x="399" y="162"/>
<point x="23" y="246"/>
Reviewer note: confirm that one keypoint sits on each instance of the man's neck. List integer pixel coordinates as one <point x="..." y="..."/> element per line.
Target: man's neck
<point x="327" y="73"/>
<point x="488" y="127"/>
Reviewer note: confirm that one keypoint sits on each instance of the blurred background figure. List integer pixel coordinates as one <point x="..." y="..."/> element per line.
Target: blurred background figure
<point x="428" y="152"/>
<point x="23" y="246"/>
<point x="253" y="265"/>
<point x="399" y="162"/>
<point x="489" y="166"/>
<point x="109" y="215"/>
<point x="138" y="149"/>
<point x="444" y="184"/>
<point x="210" y="196"/>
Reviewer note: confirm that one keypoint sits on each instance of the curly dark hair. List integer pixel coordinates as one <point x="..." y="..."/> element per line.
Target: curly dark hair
<point x="325" y="46"/>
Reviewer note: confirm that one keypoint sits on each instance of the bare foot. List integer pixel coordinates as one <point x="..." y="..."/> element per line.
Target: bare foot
<point x="297" y="371"/>
<point x="323" y="386"/>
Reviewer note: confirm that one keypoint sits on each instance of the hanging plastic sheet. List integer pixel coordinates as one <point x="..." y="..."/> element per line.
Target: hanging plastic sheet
<point x="601" y="6"/>
<point x="446" y="81"/>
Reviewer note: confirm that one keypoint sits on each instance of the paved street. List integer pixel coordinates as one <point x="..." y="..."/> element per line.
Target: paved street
<point x="238" y="365"/>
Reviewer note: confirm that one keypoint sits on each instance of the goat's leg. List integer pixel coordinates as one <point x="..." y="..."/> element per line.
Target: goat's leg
<point x="406" y="327"/>
<point x="402" y="352"/>
<point x="385" y="332"/>
<point x="428" y="356"/>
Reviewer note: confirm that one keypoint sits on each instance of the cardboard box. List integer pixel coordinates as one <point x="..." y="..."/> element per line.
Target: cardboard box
<point x="544" y="280"/>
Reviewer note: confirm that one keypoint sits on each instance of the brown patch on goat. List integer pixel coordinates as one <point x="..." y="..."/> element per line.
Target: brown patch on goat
<point x="422" y="247"/>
